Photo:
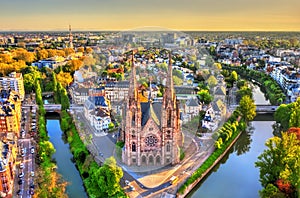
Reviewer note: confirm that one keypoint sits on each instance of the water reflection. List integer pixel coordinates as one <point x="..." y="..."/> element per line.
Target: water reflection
<point x="242" y="145"/>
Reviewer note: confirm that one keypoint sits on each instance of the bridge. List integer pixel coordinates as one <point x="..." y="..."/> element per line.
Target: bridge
<point x="47" y="94"/>
<point x="52" y="108"/>
<point x="261" y="108"/>
<point x="266" y="108"/>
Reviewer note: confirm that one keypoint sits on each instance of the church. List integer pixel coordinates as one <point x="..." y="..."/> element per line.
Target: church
<point x="151" y="130"/>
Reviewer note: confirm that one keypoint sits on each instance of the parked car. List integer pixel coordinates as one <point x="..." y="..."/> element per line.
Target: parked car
<point x="21" y="175"/>
<point x="21" y="165"/>
<point x="20" y="192"/>
<point x="32" y="150"/>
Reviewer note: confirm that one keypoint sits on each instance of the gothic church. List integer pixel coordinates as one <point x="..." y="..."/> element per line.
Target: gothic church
<point x="151" y="130"/>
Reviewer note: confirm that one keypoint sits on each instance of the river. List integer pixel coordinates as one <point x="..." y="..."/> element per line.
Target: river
<point x="63" y="156"/>
<point x="236" y="176"/>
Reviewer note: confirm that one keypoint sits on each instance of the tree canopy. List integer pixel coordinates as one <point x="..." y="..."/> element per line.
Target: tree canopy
<point x="247" y="108"/>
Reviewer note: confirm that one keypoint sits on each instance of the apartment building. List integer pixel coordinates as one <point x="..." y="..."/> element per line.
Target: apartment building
<point x="13" y="81"/>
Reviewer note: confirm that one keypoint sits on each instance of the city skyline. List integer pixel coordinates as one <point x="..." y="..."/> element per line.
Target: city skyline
<point x="202" y="15"/>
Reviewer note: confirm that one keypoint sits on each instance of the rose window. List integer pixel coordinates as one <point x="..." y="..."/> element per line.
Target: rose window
<point x="151" y="140"/>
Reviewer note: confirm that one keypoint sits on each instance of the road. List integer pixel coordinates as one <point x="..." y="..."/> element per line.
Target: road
<point x="25" y="165"/>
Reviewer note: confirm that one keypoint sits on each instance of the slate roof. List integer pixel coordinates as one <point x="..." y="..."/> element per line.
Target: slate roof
<point x="192" y="102"/>
<point x="220" y="91"/>
<point x="152" y="110"/>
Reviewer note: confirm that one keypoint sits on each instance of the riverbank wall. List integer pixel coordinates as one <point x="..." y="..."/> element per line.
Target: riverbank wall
<point x="192" y="185"/>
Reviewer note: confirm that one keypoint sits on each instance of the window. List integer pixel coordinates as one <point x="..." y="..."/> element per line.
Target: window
<point x="133" y="134"/>
<point x="150" y="129"/>
<point x="133" y="147"/>
<point x="168" y="134"/>
<point x="151" y="140"/>
<point x="133" y="119"/>
<point x="168" y="147"/>
<point x="169" y="118"/>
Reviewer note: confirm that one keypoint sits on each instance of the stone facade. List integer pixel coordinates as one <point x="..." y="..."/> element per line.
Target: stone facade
<point x="151" y="130"/>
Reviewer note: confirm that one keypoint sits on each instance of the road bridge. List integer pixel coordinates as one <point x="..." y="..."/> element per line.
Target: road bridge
<point x="52" y="108"/>
<point x="261" y="108"/>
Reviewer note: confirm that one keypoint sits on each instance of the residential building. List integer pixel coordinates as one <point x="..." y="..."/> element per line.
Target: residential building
<point x="100" y="119"/>
<point x="7" y="164"/>
<point x="10" y="112"/>
<point x="13" y="81"/>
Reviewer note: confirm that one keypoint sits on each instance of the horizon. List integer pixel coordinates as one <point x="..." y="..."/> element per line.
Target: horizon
<point x="120" y="15"/>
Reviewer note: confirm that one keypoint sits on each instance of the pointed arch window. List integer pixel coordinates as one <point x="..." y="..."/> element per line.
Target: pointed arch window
<point x="169" y="118"/>
<point x="133" y="147"/>
<point x="168" y="147"/>
<point x="133" y="119"/>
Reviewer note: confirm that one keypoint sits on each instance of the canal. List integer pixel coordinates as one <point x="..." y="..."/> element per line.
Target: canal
<point x="63" y="157"/>
<point x="236" y="175"/>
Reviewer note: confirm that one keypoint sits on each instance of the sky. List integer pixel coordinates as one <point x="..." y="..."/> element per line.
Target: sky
<point x="218" y="15"/>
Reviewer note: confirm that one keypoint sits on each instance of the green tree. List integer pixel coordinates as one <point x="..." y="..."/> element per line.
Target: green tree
<point x="177" y="81"/>
<point x="247" y="108"/>
<point x="108" y="178"/>
<point x="280" y="161"/>
<point x="205" y="96"/>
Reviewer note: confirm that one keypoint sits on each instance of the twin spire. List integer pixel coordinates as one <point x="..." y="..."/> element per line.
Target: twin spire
<point x="133" y="89"/>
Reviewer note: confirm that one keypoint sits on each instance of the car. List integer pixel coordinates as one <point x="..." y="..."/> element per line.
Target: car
<point x="127" y="182"/>
<point x="21" y="181"/>
<point x="21" y="165"/>
<point x="32" y="185"/>
<point x="32" y="173"/>
<point x="21" y="175"/>
<point x="131" y="188"/>
<point x="20" y="192"/>
<point x="31" y="191"/>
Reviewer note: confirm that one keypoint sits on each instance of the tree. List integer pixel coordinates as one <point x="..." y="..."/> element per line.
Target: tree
<point x="69" y="51"/>
<point x="108" y="177"/>
<point x="279" y="163"/>
<point x="247" y="108"/>
<point x="74" y="65"/>
<point x="205" y="96"/>
<point x="282" y="115"/>
<point x="177" y="81"/>
<point x="42" y="54"/>
<point x="64" y="78"/>
<point x="295" y="114"/>
<point x="233" y="76"/>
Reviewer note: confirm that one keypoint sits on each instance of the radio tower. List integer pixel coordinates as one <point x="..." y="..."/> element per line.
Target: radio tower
<point x="70" y="37"/>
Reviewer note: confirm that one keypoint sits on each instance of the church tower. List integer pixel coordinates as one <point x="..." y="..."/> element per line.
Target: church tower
<point x="170" y="116"/>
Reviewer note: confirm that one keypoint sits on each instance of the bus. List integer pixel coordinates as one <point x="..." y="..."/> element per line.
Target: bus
<point x="173" y="180"/>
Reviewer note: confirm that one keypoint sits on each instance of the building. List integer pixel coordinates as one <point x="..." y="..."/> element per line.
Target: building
<point x="10" y="112"/>
<point x="96" y="110"/>
<point x="7" y="163"/>
<point x="14" y="81"/>
<point x="151" y="130"/>
<point x="100" y="119"/>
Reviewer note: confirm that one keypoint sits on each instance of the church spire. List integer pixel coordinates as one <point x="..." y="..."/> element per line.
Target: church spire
<point x="132" y="83"/>
<point x="169" y="93"/>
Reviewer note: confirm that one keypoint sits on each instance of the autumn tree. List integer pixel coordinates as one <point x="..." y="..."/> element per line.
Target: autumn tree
<point x="73" y="65"/>
<point x="247" y="108"/>
<point x="64" y="78"/>
<point x="22" y="54"/>
<point x="69" y="51"/>
<point x="279" y="164"/>
<point x="41" y="54"/>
